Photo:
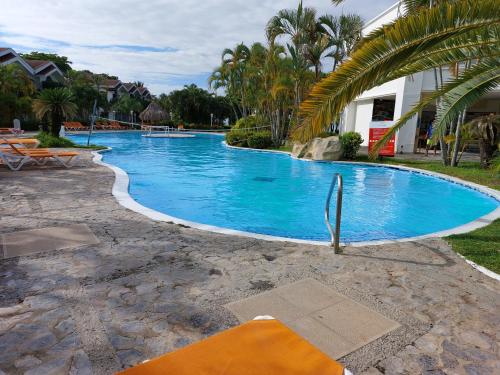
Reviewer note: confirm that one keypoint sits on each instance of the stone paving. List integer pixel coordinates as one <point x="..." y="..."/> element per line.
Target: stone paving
<point x="151" y="287"/>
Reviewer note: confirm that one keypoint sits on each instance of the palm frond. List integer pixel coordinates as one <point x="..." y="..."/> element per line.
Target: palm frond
<point x="374" y="61"/>
<point x="456" y="96"/>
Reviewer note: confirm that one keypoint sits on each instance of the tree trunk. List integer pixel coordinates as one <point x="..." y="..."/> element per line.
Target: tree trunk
<point x="458" y="139"/>
<point x="444" y="150"/>
<point x="56" y="124"/>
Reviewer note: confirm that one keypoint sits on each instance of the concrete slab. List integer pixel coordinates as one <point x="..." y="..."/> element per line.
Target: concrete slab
<point x="355" y="322"/>
<point x="46" y="239"/>
<point x="265" y="304"/>
<point x="331" y="321"/>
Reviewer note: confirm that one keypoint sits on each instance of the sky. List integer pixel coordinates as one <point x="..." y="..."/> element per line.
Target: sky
<point x="165" y="43"/>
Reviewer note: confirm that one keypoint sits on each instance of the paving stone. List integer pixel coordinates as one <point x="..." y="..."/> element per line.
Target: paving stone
<point x="54" y="367"/>
<point x="65" y="327"/>
<point x="27" y="362"/>
<point x="129" y="357"/>
<point x="81" y="364"/>
<point x="120" y="342"/>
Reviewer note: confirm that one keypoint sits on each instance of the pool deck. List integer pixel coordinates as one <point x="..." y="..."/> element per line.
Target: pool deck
<point x="150" y="287"/>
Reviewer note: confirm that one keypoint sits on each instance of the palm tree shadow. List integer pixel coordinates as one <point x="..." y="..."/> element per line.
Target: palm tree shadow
<point x="447" y="261"/>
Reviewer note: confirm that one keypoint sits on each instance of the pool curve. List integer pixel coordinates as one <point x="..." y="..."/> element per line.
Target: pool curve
<point x="489" y="198"/>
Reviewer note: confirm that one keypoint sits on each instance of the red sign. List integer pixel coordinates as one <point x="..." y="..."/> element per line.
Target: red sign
<point x="377" y="131"/>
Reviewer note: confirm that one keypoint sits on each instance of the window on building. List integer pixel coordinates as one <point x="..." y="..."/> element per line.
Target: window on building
<point x="383" y="109"/>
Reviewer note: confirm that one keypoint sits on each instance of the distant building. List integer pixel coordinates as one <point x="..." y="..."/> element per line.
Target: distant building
<point x="46" y="71"/>
<point x="388" y="102"/>
<point x="38" y="70"/>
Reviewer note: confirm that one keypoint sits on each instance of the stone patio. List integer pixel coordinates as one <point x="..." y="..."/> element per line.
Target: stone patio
<point x="151" y="287"/>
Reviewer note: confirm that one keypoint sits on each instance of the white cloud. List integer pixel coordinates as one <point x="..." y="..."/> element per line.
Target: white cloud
<point x="197" y="31"/>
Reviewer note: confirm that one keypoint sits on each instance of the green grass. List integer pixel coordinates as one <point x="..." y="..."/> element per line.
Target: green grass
<point x="285" y="148"/>
<point x="49" y="141"/>
<point x="482" y="246"/>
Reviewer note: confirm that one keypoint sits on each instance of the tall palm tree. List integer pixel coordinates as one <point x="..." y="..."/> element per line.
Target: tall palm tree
<point x="58" y="104"/>
<point x="343" y="33"/>
<point x="298" y="24"/>
<point x="234" y="60"/>
<point x="461" y="30"/>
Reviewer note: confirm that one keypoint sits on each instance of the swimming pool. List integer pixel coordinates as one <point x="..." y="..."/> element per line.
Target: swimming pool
<point x="202" y="180"/>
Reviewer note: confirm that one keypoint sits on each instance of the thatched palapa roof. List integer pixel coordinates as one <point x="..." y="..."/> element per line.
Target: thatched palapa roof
<point x="153" y="114"/>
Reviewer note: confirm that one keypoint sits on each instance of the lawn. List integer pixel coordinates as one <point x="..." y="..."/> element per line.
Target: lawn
<point x="482" y="246"/>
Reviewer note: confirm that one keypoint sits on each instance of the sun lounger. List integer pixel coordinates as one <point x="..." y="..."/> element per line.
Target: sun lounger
<point x="101" y="125"/>
<point x="253" y="348"/>
<point x="74" y="126"/>
<point x="26" y="142"/>
<point x="14" y="161"/>
<point x="41" y="155"/>
<point x="11" y="131"/>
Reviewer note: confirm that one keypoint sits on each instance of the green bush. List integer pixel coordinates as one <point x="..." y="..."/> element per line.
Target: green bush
<point x="260" y="140"/>
<point x="249" y="122"/>
<point x="351" y="141"/>
<point x="47" y="141"/>
<point x="237" y="138"/>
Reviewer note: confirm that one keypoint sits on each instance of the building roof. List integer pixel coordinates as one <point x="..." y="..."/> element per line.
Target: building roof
<point x="35" y="64"/>
<point x="130" y="86"/>
<point x="112" y="83"/>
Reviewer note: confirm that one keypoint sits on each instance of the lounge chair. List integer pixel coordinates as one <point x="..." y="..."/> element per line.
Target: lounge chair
<point x="14" y="161"/>
<point x="263" y="346"/>
<point x="74" y="126"/>
<point x="42" y="155"/>
<point x="25" y="142"/>
<point x="11" y="131"/>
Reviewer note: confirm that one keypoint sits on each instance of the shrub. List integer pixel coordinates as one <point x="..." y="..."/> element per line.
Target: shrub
<point x="237" y="138"/>
<point x="48" y="140"/>
<point x="351" y="141"/>
<point x="250" y="122"/>
<point x="260" y="140"/>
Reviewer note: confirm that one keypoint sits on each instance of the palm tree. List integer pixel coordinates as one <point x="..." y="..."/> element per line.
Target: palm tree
<point x="486" y="129"/>
<point x="315" y="52"/>
<point x="461" y="30"/>
<point x="234" y="60"/>
<point x="298" y="24"/>
<point x="58" y="104"/>
<point x="343" y="33"/>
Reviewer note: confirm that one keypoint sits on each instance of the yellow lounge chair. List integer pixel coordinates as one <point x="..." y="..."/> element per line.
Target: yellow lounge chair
<point x="258" y="347"/>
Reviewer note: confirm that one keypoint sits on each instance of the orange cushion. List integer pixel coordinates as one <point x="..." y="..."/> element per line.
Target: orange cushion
<point x="258" y="347"/>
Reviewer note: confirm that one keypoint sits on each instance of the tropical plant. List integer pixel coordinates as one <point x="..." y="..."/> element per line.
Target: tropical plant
<point x="351" y="142"/>
<point x="271" y="81"/>
<point x="16" y="89"/>
<point x="462" y="30"/>
<point x="486" y="129"/>
<point x="57" y="104"/>
<point x="342" y="33"/>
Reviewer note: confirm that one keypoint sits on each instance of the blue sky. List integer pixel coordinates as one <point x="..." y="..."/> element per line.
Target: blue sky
<point x="164" y="43"/>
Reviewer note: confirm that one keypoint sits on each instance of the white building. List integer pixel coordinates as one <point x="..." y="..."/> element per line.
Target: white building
<point x="384" y="104"/>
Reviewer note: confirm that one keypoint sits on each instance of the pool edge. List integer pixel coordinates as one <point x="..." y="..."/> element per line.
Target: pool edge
<point x="121" y="184"/>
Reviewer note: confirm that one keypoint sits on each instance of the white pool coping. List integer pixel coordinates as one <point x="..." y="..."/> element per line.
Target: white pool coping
<point x="121" y="185"/>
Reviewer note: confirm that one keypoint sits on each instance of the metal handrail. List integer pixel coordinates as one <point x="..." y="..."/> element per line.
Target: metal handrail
<point x="335" y="234"/>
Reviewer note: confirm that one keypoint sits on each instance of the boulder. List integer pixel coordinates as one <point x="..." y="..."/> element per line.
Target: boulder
<point x="328" y="148"/>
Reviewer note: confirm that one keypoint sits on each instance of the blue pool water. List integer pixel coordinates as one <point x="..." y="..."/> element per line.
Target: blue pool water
<point x="200" y="179"/>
